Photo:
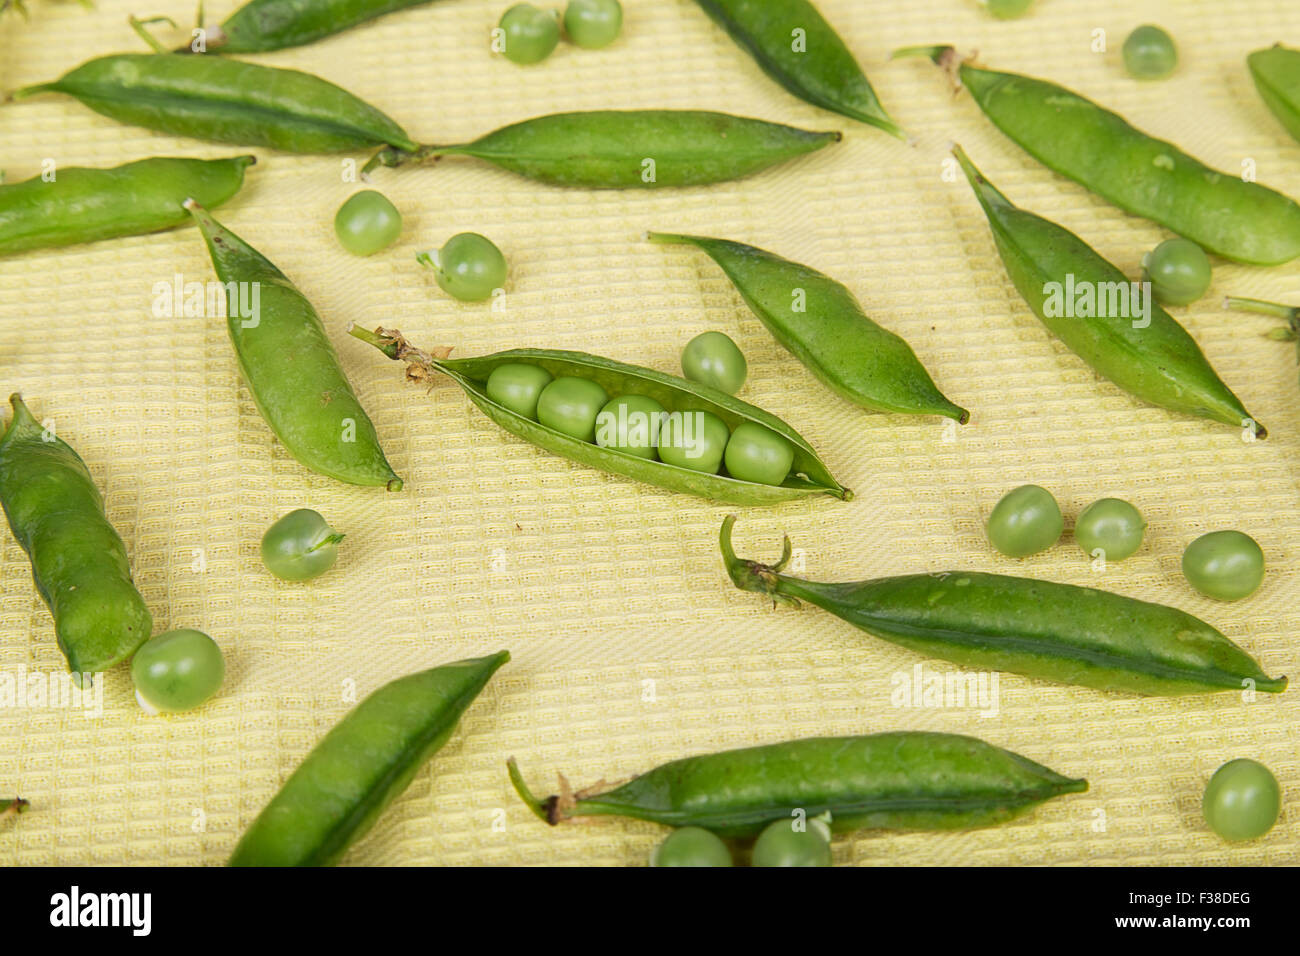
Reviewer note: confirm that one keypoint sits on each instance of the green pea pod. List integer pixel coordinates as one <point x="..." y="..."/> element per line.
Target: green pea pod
<point x="808" y="476"/>
<point x="264" y="25"/>
<point x="632" y="149"/>
<point x="290" y="366"/>
<point x="362" y="765"/>
<point x="1149" y="177"/>
<point x="1145" y="352"/>
<point x="85" y="205"/>
<point x="797" y="48"/>
<point x="1055" y="632"/>
<point x="79" y="562"/>
<point x="822" y="325"/>
<point x="905" y="780"/>
<point x="1276" y="72"/>
<point x="227" y="101"/>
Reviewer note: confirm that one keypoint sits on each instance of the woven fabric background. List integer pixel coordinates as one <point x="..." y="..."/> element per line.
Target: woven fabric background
<point x="630" y="647"/>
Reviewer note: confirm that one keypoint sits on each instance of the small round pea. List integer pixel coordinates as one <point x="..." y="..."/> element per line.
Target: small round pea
<point x="300" y="546"/>
<point x="518" y="386"/>
<point x="570" y="405"/>
<point x="691" y="846"/>
<point x="631" y="424"/>
<point x="592" y="24"/>
<point x="177" y="671"/>
<point x="367" y="222"/>
<point x="711" y="358"/>
<point x="1112" y="526"/>
<point x="528" y="34"/>
<point x="1027" y="520"/>
<point x="694" y="440"/>
<point x="758" y="454"/>
<point x="1227" y="565"/>
<point x="1242" y="800"/>
<point x="780" y="844"/>
<point x="1009" y="9"/>
<point x="1178" y="270"/>
<point x="1149" y="53"/>
<point x="468" y="267"/>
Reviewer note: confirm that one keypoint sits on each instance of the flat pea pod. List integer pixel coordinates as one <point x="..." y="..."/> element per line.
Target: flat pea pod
<point x="1055" y="632"/>
<point x="362" y="765"/>
<point x="85" y="205"/>
<point x="227" y="101"/>
<point x="264" y="25"/>
<point x="631" y="149"/>
<point x="820" y="322"/>
<point x="79" y="562"/>
<point x="1276" y="72"/>
<point x="906" y="780"/>
<point x="1136" y="344"/>
<point x="1142" y="175"/>
<point x="808" y="475"/>
<point x="797" y="48"/>
<point x="290" y="366"/>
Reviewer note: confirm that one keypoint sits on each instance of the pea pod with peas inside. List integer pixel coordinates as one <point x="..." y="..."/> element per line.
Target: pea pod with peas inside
<point x="1128" y="339"/>
<point x="1149" y="177"/>
<point x="895" y="781"/>
<point x="804" y="473"/>
<point x="362" y="765"/>
<point x="1276" y="72"/>
<point x="820" y="322"/>
<point x="290" y="366"/>
<point x="1055" y="632"/>
<point x="78" y="560"/>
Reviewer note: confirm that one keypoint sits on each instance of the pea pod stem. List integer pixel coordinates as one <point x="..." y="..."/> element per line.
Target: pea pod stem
<point x="140" y="27"/>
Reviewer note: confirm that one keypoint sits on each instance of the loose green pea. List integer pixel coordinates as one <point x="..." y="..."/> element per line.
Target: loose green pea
<point x="1227" y="565"/>
<point x="1112" y="526"/>
<point x="592" y="24"/>
<point x="711" y="358"/>
<point x="758" y="454"/>
<point x="1149" y="53"/>
<point x="518" y="386"/>
<point x="1178" y="270"/>
<point x="1027" y="520"/>
<point x="1009" y="9"/>
<point x="468" y="267"/>
<point x="1242" y="800"/>
<point x="528" y="34"/>
<point x="300" y="546"/>
<point x="694" y="440"/>
<point x="367" y="222"/>
<point x="570" y="405"/>
<point x="177" y="671"/>
<point x="691" y="846"/>
<point x="780" y="844"/>
<point x="630" y="423"/>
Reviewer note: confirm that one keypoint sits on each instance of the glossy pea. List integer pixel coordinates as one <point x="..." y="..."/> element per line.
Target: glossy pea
<point x="1055" y="632"/>
<point x="818" y="320"/>
<point x="1227" y="565"/>
<point x="1242" y="801"/>
<point x="468" y="267"/>
<point x="711" y="358"/>
<point x="528" y="34"/>
<point x="1276" y="72"/>
<point x="361" y="766"/>
<point x="260" y="26"/>
<point x="893" y="781"/>
<point x="518" y="387"/>
<point x="290" y="366"/>
<point x="85" y="205"/>
<point x="1149" y="53"/>
<point x="1178" y="270"/>
<point x="631" y="424"/>
<point x="820" y="70"/>
<point x="691" y="846"/>
<point x="785" y="844"/>
<point x="1110" y="528"/>
<point x="570" y="406"/>
<point x="1025" y="520"/>
<point x="177" y="671"/>
<point x="79" y="562"/>
<point x="593" y="24"/>
<point x="1145" y="352"/>
<point x="695" y="440"/>
<point x="300" y="546"/>
<point x="755" y="453"/>
<point x="367" y="222"/>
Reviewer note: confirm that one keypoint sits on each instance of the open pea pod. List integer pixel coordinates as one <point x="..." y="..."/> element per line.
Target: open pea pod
<point x="1276" y="72"/>
<point x="808" y="475"/>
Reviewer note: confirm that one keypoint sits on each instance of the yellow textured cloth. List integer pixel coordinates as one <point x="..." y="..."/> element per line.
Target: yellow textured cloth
<point x="630" y="645"/>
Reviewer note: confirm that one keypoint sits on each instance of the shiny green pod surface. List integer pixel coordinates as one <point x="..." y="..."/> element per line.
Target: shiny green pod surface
<point x="260" y="26"/>
<point x="1276" y="72"/>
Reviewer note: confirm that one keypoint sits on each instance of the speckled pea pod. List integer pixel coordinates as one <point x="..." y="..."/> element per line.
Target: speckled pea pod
<point x="227" y="101"/>
<point x="820" y="322"/>
<point x="893" y="781"/>
<point x="1056" y="632"/>
<point x="632" y="149"/>
<point x="797" y="48"/>
<point x="290" y="366"/>
<point x="1150" y="356"/>
<point x="79" y="562"/>
<point x="1276" y="72"/>
<point x="808" y="475"/>
<point x="1149" y="177"/>
<point x="85" y="205"/>
<point x="362" y="765"/>
<point x="264" y="25"/>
